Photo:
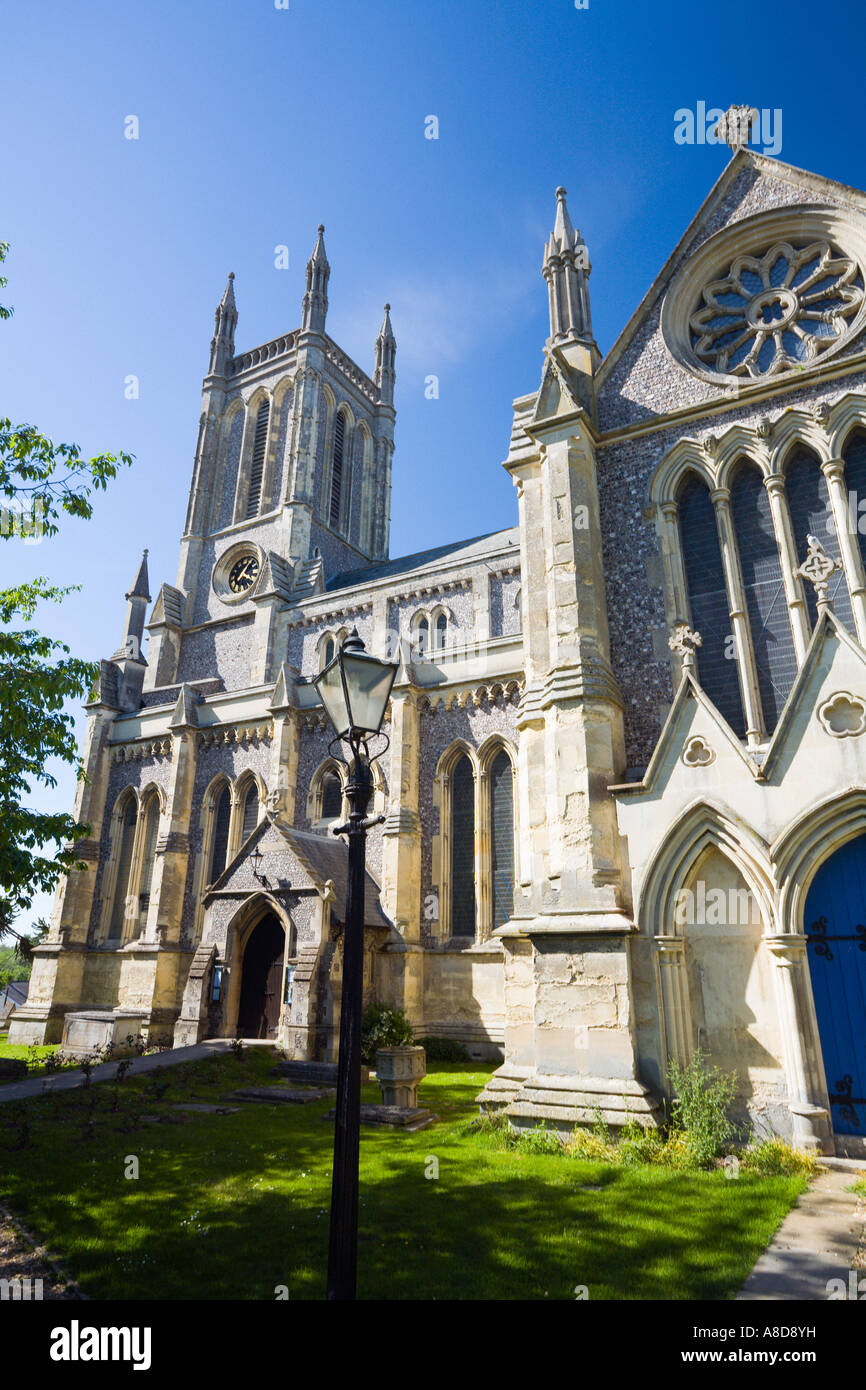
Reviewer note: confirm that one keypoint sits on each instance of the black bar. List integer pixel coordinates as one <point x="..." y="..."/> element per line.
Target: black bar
<point x="343" y="1235"/>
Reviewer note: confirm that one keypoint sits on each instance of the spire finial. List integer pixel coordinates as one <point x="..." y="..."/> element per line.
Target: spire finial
<point x="140" y="587"/>
<point x="228" y="299"/>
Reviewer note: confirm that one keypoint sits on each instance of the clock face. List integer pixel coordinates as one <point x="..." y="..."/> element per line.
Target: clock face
<point x="243" y="574"/>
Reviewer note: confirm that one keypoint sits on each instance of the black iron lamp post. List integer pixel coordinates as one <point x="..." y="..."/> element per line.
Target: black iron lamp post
<point x="354" y="688"/>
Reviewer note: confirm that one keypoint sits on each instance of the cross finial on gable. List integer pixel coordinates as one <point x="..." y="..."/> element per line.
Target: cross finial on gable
<point x="817" y="568"/>
<point x="735" y="127"/>
<point x="684" y="641"/>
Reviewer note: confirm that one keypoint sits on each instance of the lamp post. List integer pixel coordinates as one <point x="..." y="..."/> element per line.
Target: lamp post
<point x="354" y="688"/>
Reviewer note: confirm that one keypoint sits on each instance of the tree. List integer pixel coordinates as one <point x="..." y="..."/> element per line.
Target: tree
<point x="38" y="675"/>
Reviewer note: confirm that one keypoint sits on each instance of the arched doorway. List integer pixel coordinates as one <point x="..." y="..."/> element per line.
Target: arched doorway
<point x="834" y="925"/>
<point x="262" y="980"/>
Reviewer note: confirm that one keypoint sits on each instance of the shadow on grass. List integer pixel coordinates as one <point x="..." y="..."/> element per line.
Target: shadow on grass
<point x="231" y="1206"/>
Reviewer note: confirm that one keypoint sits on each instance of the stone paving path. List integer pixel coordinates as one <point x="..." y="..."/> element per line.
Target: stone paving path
<point x="823" y="1237"/>
<point x="106" y="1071"/>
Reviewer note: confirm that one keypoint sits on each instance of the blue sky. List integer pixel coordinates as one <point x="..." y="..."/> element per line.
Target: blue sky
<point x="257" y="123"/>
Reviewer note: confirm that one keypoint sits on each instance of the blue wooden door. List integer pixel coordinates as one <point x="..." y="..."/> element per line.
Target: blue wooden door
<point x="835" y="925"/>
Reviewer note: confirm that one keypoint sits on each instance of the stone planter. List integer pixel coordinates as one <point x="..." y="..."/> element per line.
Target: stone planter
<point x="398" y="1071"/>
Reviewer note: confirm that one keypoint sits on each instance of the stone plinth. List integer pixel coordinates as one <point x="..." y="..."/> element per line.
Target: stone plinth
<point x="398" y="1072"/>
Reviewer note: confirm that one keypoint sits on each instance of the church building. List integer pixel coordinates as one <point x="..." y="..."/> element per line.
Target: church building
<point x="625" y="793"/>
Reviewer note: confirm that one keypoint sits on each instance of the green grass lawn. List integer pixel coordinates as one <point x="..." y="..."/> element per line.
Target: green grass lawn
<point x="30" y="1054"/>
<point x="230" y="1206"/>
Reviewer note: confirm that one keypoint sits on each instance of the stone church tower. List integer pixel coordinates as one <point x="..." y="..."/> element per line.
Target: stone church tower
<point x="625" y="793"/>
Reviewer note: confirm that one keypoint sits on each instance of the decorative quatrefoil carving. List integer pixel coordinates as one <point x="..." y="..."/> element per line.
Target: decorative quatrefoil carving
<point x="843" y="715"/>
<point x="697" y="752"/>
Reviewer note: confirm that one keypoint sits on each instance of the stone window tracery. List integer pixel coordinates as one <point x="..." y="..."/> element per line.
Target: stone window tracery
<point x="250" y="812"/>
<point x="419" y="630"/>
<point x="328" y="646"/>
<point x="777" y="311"/>
<point x="131" y="865"/>
<point x="126" y="827"/>
<point x="325" y="797"/>
<point x="462" y="867"/>
<point x="220" y="838"/>
<point x="151" y="831"/>
<point x="736" y="518"/>
<point x="474" y="866"/>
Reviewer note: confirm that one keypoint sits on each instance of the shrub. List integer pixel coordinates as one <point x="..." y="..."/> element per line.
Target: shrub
<point x="539" y="1140"/>
<point x="776" y="1158"/>
<point x="591" y="1145"/>
<point x="383" y="1027"/>
<point x="444" y="1050"/>
<point x="490" y="1122"/>
<point x="699" y="1110"/>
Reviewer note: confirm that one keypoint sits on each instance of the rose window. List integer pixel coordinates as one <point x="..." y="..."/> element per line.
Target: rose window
<point x="778" y="312"/>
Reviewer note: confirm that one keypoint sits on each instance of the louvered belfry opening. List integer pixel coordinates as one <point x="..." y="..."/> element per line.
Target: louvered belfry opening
<point x="463" y="849"/>
<point x="220" y="835"/>
<point x="502" y="837"/>
<point x="337" y="469"/>
<point x="257" y="467"/>
<point x="708" y="600"/>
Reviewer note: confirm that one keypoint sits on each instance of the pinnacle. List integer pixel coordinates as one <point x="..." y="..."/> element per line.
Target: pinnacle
<point x="140" y="587"/>
<point x="228" y="299"/>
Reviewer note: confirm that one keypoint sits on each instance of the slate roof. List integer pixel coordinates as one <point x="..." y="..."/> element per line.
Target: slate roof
<point x="327" y="857"/>
<point x="323" y="857"/>
<point x="406" y="563"/>
<point x="14" y="995"/>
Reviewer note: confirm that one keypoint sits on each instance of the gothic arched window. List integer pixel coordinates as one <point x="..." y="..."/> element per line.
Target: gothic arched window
<point x="332" y="796"/>
<point x="854" y="454"/>
<point x="811" y="514"/>
<point x="257" y="466"/>
<point x="772" y="639"/>
<point x="502" y="837"/>
<point x="126" y="831"/>
<point x="220" y="841"/>
<point x="337" y="459"/>
<point x="151" y="831"/>
<point x="251" y="812"/>
<point x="708" y="599"/>
<point x="441" y="631"/>
<point x="462" y="878"/>
<point x="422" y="635"/>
